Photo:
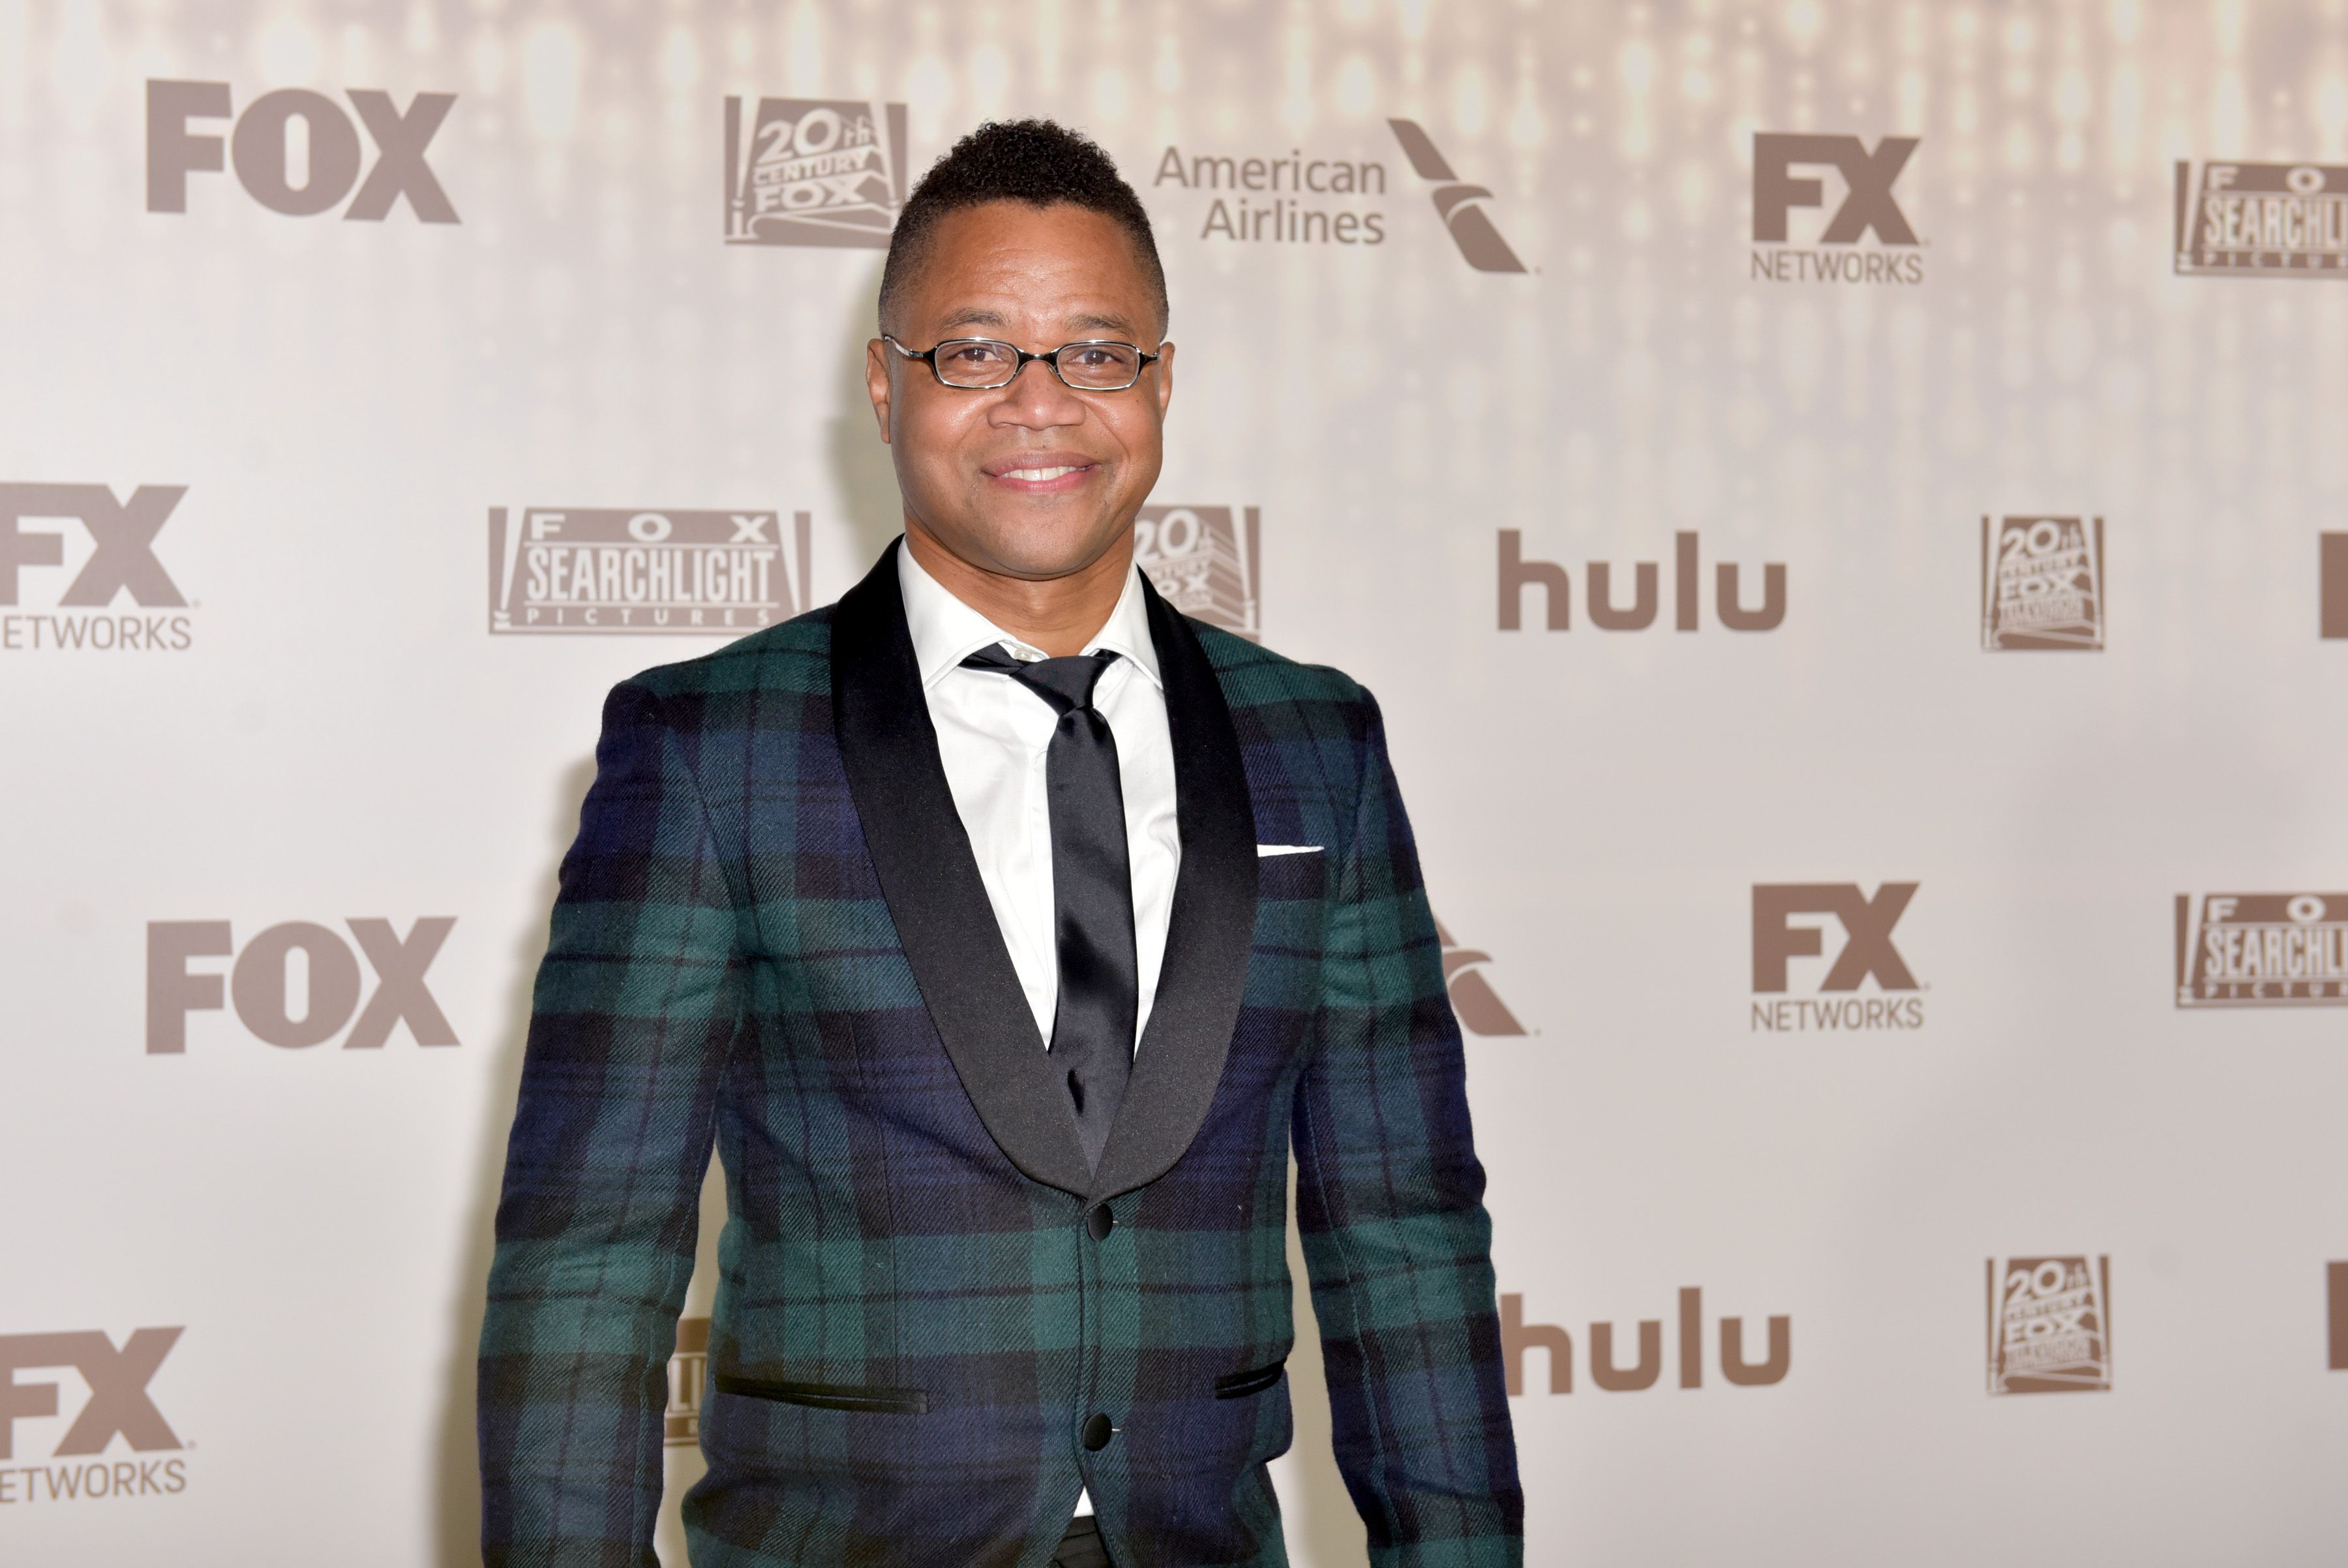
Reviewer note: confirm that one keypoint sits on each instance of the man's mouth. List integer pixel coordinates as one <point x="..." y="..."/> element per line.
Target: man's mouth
<point x="1041" y="473"/>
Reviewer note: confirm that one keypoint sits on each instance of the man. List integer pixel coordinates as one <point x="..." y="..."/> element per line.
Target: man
<point x="1004" y="930"/>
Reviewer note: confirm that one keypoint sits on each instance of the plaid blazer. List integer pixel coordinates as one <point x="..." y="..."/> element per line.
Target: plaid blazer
<point x="935" y="1322"/>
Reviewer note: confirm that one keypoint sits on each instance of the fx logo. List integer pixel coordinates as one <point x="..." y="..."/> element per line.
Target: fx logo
<point x="1869" y="176"/>
<point x="260" y="149"/>
<point x="1867" y="925"/>
<point x="118" y="1383"/>
<point x="123" y="532"/>
<point x="258" y="982"/>
<point x="1460" y="206"/>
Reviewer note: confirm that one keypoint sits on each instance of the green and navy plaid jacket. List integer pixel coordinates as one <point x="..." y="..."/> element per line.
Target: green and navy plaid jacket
<point x="771" y="934"/>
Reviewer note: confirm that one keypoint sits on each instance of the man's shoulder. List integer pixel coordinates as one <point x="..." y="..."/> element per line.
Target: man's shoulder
<point x="793" y="655"/>
<point x="1254" y="677"/>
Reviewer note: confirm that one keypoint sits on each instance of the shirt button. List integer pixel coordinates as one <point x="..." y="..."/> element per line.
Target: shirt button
<point x="1100" y="1222"/>
<point x="1097" y="1432"/>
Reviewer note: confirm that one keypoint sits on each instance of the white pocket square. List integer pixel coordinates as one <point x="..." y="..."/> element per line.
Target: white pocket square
<point x="1264" y="852"/>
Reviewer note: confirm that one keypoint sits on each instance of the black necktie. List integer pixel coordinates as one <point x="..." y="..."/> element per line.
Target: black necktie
<point x="1092" y="889"/>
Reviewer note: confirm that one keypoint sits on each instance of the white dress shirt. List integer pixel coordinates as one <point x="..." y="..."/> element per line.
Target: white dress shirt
<point x="992" y="733"/>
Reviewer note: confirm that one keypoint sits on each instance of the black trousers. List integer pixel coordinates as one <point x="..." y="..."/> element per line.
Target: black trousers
<point x="1081" y="1546"/>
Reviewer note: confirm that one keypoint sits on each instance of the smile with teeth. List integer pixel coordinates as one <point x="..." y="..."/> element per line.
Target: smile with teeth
<point x="1034" y="476"/>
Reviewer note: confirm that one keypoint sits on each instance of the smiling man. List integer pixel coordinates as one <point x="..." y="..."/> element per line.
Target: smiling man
<point x="1004" y="931"/>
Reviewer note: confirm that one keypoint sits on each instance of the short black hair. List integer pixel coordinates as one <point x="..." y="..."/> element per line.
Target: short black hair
<point x="1038" y="161"/>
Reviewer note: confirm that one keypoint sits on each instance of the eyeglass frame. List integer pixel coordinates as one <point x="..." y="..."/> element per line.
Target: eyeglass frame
<point x="929" y="357"/>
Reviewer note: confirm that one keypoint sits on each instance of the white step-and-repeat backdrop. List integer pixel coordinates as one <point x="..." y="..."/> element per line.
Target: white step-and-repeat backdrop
<point x="1846" y="506"/>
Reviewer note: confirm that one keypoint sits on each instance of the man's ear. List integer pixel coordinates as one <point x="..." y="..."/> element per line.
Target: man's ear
<point x="1164" y="369"/>
<point x="876" y="383"/>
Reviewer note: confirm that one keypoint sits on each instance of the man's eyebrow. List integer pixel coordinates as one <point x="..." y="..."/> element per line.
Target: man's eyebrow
<point x="974" y="315"/>
<point x="1083" y="321"/>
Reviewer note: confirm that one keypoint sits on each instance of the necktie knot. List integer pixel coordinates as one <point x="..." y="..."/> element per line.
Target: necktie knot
<point x="1065" y="682"/>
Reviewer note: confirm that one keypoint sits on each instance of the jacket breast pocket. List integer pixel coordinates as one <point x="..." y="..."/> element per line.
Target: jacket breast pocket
<point x="1293" y="874"/>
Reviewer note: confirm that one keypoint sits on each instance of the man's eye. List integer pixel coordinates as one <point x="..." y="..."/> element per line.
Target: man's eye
<point x="976" y="354"/>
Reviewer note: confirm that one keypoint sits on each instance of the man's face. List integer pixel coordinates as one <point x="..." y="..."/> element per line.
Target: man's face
<point x="1033" y="480"/>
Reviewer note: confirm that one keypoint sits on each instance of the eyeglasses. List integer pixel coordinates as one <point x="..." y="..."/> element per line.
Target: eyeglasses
<point x="981" y="364"/>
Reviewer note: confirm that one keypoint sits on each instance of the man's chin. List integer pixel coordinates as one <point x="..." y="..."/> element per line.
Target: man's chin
<point x="1039" y="550"/>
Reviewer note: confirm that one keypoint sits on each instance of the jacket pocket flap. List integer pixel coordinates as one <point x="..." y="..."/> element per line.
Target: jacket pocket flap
<point x="1239" y="1385"/>
<point x="828" y="1396"/>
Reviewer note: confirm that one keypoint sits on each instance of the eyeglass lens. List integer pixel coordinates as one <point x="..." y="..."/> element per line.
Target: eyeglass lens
<point x="981" y="363"/>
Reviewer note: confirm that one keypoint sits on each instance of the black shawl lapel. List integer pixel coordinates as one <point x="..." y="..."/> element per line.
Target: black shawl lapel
<point x="1211" y="931"/>
<point x="929" y="878"/>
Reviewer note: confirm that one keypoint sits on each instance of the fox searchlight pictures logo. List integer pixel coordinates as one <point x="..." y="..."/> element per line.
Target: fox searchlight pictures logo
<point x="611" y="569"/>
<point x="1840" y="253"/>
<point x="813" y="172"/>
<point x="2262" y="949"/>
<point x="2262" y="220"/>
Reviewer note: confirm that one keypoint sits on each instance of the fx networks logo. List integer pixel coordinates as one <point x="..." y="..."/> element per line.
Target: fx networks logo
<point x="2262" y="949"/>
<point x="1480" y="1007"/>
<point x="118" y="1404"/>
<point x="688" y="1378"/>
<point x="1518" y="573"/>
<point x="111" y="553"/>
<point x="2042" y="583"/>
<point x="262" y="146"/>
<point x="1866" y="951"/>
<point x="265" y="982"/>
<point x="1517" y="1336"/>
<point x="813" y="172"/>
<point x="2331" y="590"/>
<point x="1867" y="207"/>
<point x="611" y="569"/>
<point x="2262" y="220"/>
<point x="1460" y="206"/>
<point x="1207" y="562"/>
<point x="2050" y="1325"/>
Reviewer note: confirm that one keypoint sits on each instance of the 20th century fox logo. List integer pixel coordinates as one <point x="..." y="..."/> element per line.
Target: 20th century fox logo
<point x="613" y="569"/>
<point x="1208" y="561"/>
<point x="813" y="172"/>
<point x="2041" y="583"/>
<point x="1779" y="936"/>
<point x="1789" y="172"/>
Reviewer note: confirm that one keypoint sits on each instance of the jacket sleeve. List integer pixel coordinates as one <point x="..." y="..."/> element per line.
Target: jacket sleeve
<point x="636" y="1007"/>
<point x="1389" y="1199"/>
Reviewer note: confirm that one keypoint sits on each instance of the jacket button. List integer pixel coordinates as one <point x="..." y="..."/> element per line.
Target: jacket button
<point x="1097" y="1432"/>
<point x="1100" y="1222"/>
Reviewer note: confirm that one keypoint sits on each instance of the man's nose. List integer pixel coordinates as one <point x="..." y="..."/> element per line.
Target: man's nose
<point x="1036" y="399"/>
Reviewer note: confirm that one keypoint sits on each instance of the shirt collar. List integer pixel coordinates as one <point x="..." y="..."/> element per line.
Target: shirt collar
<point x="946" y="631"/>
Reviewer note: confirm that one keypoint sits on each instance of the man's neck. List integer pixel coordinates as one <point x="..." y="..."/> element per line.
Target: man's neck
<point x="1057" y="614"/>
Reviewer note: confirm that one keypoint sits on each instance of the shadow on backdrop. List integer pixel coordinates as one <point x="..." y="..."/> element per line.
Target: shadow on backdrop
<point x="861" y="470"/>
<point x="1316" y="1511"/>
<point x="456" y="1501"/>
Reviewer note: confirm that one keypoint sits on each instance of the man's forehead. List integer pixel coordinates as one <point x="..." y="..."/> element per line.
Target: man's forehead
<point x="1011" y="266"/>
